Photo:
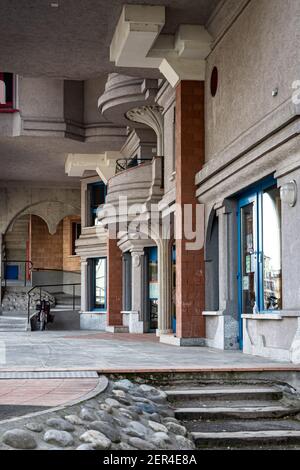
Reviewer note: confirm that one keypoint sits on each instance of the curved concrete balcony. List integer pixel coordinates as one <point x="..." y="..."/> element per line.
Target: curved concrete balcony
<point x="139" y="186"/>
<point x="92" y="241"/>
<point x="123" y="93"/>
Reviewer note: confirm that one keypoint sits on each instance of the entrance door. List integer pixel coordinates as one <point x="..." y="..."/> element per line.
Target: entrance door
<point x="259" y="251"/>
<point x="248" y="257"/>
<point x="153" y="288"/>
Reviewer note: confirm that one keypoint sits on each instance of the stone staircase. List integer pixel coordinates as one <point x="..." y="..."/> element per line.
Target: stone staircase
<point x="10" y="323"/>
<point x="238" y="416"/>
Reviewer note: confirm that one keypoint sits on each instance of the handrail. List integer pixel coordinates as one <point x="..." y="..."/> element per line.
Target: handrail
<point x="123" y="164"/>
<point x="40" y="286"/>
<point x="23" y="261"/>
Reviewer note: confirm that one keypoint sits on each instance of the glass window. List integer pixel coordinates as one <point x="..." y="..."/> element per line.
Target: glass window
<point x="248" y="257"/>
<point x="6" y="90"/>
<point x="271" y="217"/>
<point x="100" y="283"/>
<point x="153" y="288"/>
<point x="96" y="197"/>
<point x="76" y="232"/>
<point x="260" y="250"/>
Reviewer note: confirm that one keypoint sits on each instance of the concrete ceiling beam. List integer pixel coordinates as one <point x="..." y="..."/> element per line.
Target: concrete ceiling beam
<point x="103" y="164"/>
<point x="137" y="43"/>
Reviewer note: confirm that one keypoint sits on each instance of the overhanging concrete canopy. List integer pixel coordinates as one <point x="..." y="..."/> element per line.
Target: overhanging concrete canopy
<point x="104" y="164"/>
<point x="137" y="43"/>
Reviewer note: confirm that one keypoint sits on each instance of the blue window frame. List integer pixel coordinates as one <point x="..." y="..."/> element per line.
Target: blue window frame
<point x="259" y="250"/>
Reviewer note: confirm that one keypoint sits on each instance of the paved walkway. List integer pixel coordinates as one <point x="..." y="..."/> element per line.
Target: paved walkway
<point x="84" y="350"/>
<point x="44" y="392"/>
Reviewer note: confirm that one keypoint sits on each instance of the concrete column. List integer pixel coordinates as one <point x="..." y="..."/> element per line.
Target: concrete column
<point x="137" y="280"/>
<point x="84" y="286"/>
<point x="227" y="278"/>
<point x="164" y="279"/>
<point x="114" y="283"/>
<point x="190" y="285"/>
<point x="223" y="258"/>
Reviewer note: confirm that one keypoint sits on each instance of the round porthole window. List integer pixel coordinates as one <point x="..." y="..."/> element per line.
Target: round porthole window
<point x="214" y="82"/>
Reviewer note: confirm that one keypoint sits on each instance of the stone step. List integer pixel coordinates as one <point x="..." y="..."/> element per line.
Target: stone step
<point x="244" y="439"/>
<point x="241" y="412"/>
<point x="13" y="323"/>
<point x="235" y="425"/>
<point x="233" y="394"/>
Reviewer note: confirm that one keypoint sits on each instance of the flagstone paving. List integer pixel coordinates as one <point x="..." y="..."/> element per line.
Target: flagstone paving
<point x="52" y="350"/>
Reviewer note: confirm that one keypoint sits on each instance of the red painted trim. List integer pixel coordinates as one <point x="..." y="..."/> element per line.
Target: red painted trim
<point x="8" y="111"/>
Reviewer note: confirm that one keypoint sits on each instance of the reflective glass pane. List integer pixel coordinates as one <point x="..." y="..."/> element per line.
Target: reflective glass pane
<point x="248" y="258"/>
<point x="100" y="283"/>
<point x="272" y="249"/>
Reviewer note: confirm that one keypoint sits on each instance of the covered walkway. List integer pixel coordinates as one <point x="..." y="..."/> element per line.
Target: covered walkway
<point x="105" y="352"/>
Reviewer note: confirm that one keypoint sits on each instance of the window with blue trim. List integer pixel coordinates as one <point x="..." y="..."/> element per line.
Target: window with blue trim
<point x="260" y="275"/>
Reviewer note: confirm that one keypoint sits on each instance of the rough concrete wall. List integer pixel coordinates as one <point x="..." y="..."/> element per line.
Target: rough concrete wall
<point x="15" y="239"/>
<point x="46" y="249"/>
<point x="258" y="54"/>
<point x="52" y="204"/>
<point x="290" y="229"/>
<point x="70" y="262"/>
<point x="92" y="90"/>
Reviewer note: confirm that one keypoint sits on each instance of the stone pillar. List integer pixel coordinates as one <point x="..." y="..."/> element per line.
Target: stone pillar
<point x="227" y="276"/>
<point x="190" y="285"/>
<point x="164" y="279"/>
<point x="223" y="258"/>
<point x="114" y="283"/>
<point x="84" y="286"/>
<point x="137" y="280"/>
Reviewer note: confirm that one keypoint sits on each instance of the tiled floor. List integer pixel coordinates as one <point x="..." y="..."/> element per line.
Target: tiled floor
<point x="44" y="392"/>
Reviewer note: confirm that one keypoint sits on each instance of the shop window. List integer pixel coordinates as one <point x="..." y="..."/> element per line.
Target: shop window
<point x="260" y="250"/>
<point x="76" y="232"/>
<point x="259" y="226"/>
<point x="6" y="91"/>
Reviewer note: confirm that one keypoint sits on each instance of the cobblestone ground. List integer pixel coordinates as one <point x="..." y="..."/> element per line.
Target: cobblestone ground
<point x="127" y="416"/>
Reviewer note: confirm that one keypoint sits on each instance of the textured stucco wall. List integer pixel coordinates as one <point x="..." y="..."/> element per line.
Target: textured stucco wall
<point x="169" y="148"/>
<point x="256" y="55"/>
<point x="290" y="230"/>
<point x="41" y="97"/>
<point x="52" y="204"/>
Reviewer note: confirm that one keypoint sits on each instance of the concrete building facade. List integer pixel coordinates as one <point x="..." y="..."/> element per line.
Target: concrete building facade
<point x="180" y="160"/>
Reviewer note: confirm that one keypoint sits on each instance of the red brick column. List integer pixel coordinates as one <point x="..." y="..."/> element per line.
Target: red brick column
<point x="189" y="160"/>
<point x="114" y="283"/>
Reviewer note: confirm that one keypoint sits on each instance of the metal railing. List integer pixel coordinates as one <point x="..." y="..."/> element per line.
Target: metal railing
<point x="28" y="267"/>
<point x="40" y="287"/>
<point x="123" y="164"/>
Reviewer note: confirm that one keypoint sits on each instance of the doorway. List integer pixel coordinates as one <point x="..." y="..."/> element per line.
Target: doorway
<point x="259" y="251"/>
